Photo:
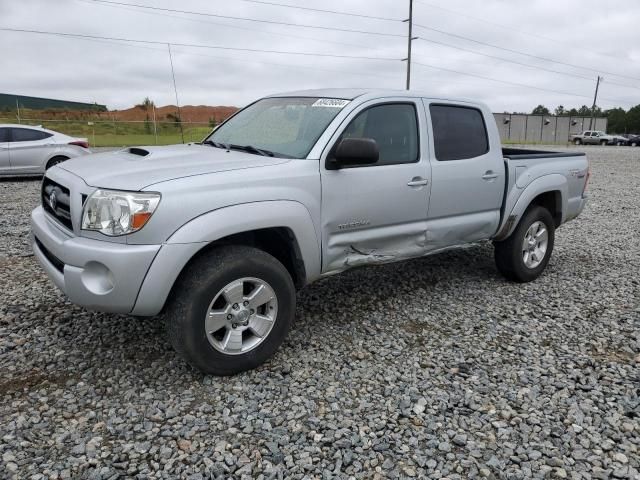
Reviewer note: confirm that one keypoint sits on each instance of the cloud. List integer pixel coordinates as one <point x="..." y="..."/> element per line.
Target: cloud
<point x="122" y="74"/>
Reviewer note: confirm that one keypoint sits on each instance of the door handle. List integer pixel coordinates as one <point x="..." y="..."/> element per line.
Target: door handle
<point x="489" y="175"/>
<point x="417" y="182"/>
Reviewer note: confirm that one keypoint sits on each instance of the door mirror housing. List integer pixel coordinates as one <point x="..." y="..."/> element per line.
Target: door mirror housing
<point x="352" y="152"/>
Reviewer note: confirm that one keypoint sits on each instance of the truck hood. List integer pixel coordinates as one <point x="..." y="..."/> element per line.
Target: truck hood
<point x="138" y="167"/>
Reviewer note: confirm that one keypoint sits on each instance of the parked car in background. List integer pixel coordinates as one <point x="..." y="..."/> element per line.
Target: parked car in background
<point x="619" y="139"/>
<point x="592" y="137"/>
<point x="633" y="140"/>
<point x="27" y="150"/>
<point x="219" y="235"/>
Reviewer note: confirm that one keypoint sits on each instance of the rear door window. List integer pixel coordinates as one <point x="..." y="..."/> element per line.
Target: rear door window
<point x="28" y="135"/>
<point x="4" y="135"/>
<point x="458" y="132"/>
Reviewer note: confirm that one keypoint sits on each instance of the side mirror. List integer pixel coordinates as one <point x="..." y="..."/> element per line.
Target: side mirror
<point x="356" y="151"/>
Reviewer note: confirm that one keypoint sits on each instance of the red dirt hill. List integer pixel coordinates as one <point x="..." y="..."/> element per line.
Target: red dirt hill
<point x="189" y="113"/>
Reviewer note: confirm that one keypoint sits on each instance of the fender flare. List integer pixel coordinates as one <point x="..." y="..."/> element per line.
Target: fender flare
<point x="201" y="231"/>
<point x="554" y="182"/>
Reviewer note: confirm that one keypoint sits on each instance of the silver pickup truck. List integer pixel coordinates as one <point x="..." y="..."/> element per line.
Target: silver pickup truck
<point x="594" y="137"/>
<point x="295" y="187"/>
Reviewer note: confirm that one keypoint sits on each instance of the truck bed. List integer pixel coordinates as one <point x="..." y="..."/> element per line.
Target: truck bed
<point x="525" y="154"/>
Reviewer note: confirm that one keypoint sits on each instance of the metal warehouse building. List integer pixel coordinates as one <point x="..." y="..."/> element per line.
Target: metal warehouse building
<point x="10" y="101"/>
<point x="543" y="128"/>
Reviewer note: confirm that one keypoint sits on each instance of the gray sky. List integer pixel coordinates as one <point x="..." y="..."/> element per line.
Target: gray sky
<point x="599" y="35"/>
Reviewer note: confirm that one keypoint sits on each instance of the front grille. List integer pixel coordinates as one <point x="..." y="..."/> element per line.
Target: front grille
<point x="55" y="261"/>
<point x="56" y="202"/>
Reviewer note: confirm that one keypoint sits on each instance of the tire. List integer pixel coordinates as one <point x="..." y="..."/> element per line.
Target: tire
<point x="603" y="143"/>
<point x="577" y="141"/>
<point x="200" y="290"/>
<point x="510" y="253"/>
<point x="56" y="161"/>
<point x="634" y="144"/>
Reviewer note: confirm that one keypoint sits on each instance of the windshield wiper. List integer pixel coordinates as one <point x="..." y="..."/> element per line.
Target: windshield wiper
<point x="216" y="144"/>
<point x="252" y="149"/>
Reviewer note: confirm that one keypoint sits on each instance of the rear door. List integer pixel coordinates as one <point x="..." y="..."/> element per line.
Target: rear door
<point x="377" y="213"/>
<point x="590" y="138"/>
<point x="468" y="175"/>
<point x="29" y="150"/>
<point x="5" y="166"/>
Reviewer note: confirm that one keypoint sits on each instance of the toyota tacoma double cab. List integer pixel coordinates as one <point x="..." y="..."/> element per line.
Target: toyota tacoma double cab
<point x="217" y="236"/>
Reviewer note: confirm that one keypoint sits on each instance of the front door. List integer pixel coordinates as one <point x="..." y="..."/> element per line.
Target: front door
<point x="377" y="213"/>
<point x="468" y="176"/>
<point x="5" y="166"/>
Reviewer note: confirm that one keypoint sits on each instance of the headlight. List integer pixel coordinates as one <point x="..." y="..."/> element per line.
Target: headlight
<point x="118" y="213"/>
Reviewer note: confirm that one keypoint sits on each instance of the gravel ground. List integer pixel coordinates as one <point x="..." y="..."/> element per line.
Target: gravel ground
<point x="434" y="368"/>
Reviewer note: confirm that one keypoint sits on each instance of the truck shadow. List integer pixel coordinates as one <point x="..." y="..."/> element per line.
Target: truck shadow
<point x="399" y="282"/>
<point x="88" y="345"/>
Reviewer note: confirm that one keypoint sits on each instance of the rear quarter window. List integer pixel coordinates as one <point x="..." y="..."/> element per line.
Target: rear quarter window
<point x="28" y="135"/>
<point x="4" y="134"/>
<point x="458" y="132"/>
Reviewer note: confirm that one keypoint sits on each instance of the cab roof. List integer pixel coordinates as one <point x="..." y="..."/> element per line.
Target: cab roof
<point x="371" y="93"/>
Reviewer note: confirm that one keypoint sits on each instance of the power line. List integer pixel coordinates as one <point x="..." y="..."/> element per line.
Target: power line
<point x="458" y="13"/>
<point x="507" y="82"/>
<point x="247" y="19"/>
<point x="528" y="65"/>
<point x="193" y="45"/>
<point x="523" y="53"/>
<point x="323" y="11"/>
<point x="244" y="61"/>
<point x="237" y="27"/>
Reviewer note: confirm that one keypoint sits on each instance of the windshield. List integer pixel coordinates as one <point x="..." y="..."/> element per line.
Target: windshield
<point x="286" y="127"/>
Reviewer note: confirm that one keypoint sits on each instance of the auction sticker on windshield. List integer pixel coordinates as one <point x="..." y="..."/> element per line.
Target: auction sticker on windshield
<point x="330" y="102"/>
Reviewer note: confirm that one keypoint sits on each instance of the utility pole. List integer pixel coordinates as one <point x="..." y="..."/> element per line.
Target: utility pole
<point x="593" y="107"/>
<point x="410" y="39"/>
<point x="175" y="89"/>
<point x="18" y="110"/>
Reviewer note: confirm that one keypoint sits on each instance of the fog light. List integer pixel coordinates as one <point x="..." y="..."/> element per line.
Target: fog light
<point x="97" y="278"/>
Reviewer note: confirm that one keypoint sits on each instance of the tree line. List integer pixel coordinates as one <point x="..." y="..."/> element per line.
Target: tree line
<point x="619" y="120"/>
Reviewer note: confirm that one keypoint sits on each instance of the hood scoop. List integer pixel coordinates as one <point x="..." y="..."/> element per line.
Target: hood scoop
<point x="141" y="152"/>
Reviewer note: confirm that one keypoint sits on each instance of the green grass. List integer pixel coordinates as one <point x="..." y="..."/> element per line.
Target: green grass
<point x="132" y="139"/>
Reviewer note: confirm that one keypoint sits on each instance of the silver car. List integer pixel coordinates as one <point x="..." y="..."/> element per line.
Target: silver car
<point x="27" y="150"/>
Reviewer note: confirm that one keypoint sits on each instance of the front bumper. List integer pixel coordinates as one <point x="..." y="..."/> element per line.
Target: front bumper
<point x="99" y="275"/>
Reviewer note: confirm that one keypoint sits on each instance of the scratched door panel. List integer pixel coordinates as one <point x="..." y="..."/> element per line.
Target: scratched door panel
<point x="370" y="215"/>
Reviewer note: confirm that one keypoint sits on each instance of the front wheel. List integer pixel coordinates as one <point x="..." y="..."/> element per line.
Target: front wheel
<point x="524" y="255"/>
<point x="231" y="309"/>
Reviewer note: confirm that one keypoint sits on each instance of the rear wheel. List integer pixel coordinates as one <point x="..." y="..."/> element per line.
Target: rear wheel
<point x="231" y="309"/>
<point x="56" y="161"/>
<point x="524" y="255"/>
<point x="577" y="141"/>
<point x="634" y="144"/>
<point x="603" y="142"/>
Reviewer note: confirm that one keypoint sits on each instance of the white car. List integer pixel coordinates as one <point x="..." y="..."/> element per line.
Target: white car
<point x="27" y="150"/>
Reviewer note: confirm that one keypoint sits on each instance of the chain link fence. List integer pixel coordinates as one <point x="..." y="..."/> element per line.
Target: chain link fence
<point x="118" y="133"/>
